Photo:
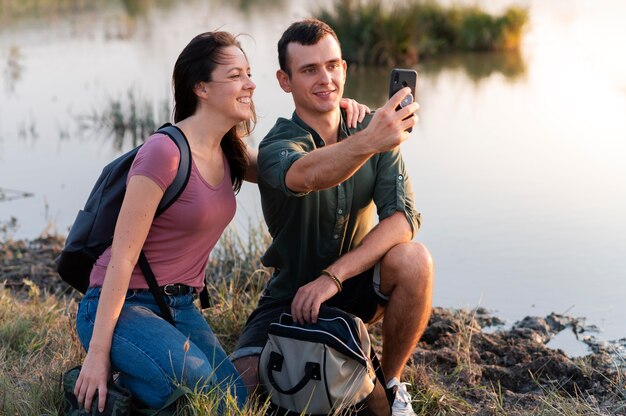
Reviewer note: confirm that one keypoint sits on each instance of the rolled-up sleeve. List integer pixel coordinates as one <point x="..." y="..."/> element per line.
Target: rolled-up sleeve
<point x="280" y="149"/>
<point x="393" y="191"/>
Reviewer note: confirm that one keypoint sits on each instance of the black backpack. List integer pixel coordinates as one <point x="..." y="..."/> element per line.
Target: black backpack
<point x="92" y="231"/>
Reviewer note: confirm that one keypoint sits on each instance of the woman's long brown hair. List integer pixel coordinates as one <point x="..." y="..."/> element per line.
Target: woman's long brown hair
<point x="196" y="64"/>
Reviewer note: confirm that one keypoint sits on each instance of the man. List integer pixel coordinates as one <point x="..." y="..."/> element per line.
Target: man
<point x="320" y="183"/>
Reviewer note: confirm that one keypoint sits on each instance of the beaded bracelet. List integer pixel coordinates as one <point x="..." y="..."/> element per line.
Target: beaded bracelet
<point x="335" y="279"/>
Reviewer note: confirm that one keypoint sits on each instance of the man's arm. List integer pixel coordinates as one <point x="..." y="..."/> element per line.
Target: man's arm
<point x="388" y="233"/>
<point x="330" y="165"/>
<point x="391" y="231"/>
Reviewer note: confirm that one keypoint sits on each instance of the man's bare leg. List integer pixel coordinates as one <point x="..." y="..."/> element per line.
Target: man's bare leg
<point x="407" y="277"/>
<point x="248" y="368"/>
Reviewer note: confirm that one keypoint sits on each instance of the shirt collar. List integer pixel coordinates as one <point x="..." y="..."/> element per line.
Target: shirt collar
<point x="343" y="128"/>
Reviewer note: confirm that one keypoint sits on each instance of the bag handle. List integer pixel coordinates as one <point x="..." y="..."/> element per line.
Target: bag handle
<point x="275" y="363"/>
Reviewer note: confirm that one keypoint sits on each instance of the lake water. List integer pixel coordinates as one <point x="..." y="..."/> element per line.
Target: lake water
<point x="517" y="163"/>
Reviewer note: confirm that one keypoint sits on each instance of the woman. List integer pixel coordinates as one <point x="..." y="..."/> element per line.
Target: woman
<point x="118" y="321"/>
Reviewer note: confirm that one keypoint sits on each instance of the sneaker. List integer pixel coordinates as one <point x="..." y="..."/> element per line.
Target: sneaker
<point x="402" y="402"/>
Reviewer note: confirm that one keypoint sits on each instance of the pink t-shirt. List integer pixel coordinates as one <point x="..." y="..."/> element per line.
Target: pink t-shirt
<point x="180" y="239"/>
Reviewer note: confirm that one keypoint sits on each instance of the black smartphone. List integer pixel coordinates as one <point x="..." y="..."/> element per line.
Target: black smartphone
<point x="399" y="79"/>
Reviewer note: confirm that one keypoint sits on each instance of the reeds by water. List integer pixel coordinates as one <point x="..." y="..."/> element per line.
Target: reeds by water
<point x="376" y="33"/>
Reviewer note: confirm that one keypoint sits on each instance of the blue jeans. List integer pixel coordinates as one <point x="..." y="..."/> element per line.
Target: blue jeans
<point x="149" y="352"/>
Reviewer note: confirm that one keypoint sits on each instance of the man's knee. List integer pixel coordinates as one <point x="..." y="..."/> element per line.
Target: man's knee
<point x="410" y="261"/>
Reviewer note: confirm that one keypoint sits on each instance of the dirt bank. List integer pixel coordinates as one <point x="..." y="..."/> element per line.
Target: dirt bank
<point x="513" y="370"/>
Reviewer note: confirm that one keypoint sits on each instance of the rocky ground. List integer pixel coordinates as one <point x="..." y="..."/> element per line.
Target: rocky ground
<point x="513" y="369"/>
<point x="464" y="368"/>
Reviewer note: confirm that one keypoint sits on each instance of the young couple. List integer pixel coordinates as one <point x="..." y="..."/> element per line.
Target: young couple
<point x="321" y="175"/>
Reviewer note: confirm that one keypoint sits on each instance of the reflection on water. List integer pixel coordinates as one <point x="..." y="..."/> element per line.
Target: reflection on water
<point x="11" y="194"/>
<point x="124" y="25"/>
<point x="127" y="121"/>
<point x="132" y="118"/>
<point x="8" y="228"/>
<point x="479" y="66"/>
<point x="370" y="85"/>
<point x="27" y="130"/>
<point x="13" y="69"/>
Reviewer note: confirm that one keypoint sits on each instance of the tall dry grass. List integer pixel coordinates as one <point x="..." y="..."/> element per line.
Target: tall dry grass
<point x="38" y="341"/>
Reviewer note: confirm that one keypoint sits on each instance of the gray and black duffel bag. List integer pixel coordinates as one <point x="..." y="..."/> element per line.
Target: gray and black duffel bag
<point x="324" y="368"/>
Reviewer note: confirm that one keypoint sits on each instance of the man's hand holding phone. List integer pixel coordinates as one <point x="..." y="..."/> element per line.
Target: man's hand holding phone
<point x="390" y="127"/>
<point x="392" y="123"/>
<point x="402" y="78"/>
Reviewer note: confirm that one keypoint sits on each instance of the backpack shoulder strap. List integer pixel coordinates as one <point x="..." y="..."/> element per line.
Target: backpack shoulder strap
<point x="184" y="168"/>
<point x="169" y="197"/>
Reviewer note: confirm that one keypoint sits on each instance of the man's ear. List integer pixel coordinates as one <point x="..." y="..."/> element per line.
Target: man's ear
<point x="345" y="67"/>
<point x="283" y="80"/>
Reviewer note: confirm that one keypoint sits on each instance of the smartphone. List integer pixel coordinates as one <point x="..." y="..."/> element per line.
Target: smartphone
<point x="399" y="79"/>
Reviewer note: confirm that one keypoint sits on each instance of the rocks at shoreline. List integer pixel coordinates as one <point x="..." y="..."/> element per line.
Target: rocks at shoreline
<point x="516" y="360"/>
<point x="32" y="260"/>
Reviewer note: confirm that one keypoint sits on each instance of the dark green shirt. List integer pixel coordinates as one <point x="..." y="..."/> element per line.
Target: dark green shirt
<point x="312" y="230"/>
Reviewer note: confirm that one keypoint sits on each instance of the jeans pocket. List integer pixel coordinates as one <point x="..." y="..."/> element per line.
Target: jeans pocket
<point x="90" y="307"/>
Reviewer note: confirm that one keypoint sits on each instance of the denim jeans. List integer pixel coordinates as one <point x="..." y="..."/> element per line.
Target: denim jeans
<point x="149" y="352"/>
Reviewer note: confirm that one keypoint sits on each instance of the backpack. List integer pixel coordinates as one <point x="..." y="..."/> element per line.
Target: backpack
<point x="324" y="368"/>
<point x="92" y="231"/>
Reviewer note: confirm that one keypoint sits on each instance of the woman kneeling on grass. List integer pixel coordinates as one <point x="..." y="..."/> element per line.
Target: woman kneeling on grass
<point x="118" y="321"/>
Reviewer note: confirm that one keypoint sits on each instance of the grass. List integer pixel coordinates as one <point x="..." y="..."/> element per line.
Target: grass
<point x="12" y="10"/>
<point x="555" y="401"/>
<point x="235" y="279"/>
<point x="38" y="342"/>
<point x="374" y="33"/>
<point x="18" y="9"/>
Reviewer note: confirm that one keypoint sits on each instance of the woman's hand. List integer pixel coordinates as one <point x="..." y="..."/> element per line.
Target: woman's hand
<point x="93" y="376"/>
<point x="355" y="112"/>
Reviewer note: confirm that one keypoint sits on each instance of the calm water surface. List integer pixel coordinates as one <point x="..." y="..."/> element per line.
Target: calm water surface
<point x="517" y="164"/>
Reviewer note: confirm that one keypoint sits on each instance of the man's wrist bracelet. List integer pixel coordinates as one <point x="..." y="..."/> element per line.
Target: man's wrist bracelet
<point x="335" y="279"/>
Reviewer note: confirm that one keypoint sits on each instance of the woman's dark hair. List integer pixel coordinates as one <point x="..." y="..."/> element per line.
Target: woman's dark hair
<point x="196" y="64"/>
<point x="305" y="32"/>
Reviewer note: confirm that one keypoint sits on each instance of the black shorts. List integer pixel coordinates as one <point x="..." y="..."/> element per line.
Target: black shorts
<point x="358" y="297"/>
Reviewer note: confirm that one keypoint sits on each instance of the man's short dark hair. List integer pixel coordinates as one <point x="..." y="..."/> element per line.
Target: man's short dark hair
<point x="305" y="32"/>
